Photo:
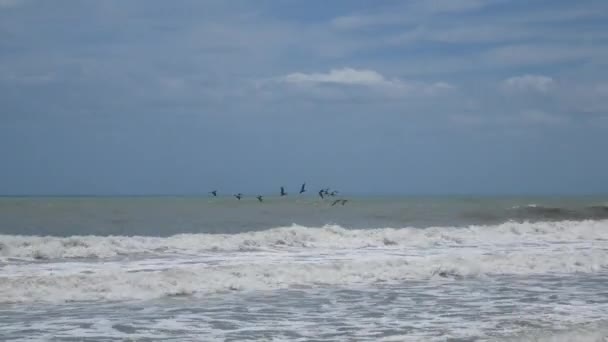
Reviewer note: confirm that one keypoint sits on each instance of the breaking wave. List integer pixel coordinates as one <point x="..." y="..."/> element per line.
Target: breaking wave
<point x="200" y="278"/>
<point x="82" y="268"/>
<point x="327" y="237"/>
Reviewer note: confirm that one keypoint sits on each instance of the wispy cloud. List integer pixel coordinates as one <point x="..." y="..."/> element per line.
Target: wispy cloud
<point x="539" y="54"/>
<point x="360" y="21"/>
<point x="262" y="76"/>
<point x="372" y="80"/>
<point x="537" y="83"/>
<point x="11" y="3"/>
<point x="585" y="98"/>
<point x="525" y="117"/>
<point x="31" y="79"/>
<point x="411" y="13"/>
<point x="346" y="76"/>
<point x="471" y="34"/>
<point x="535" y="116"/>
<point x="455" y="5"/>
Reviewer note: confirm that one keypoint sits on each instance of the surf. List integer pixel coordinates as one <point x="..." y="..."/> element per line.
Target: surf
<point x="43" y="248"/>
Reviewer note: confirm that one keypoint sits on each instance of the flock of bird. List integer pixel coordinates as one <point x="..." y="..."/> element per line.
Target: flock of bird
<point x="323" y="193"/>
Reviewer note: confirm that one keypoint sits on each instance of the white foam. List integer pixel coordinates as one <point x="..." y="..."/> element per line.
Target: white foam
<point x="328" y="237"/>
<point x="200" y="276"/>
<point x="597" y="332"/>
<point x="200" y="264"/>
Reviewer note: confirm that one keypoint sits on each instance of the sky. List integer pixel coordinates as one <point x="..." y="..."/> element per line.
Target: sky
<point x="419" y="97"/>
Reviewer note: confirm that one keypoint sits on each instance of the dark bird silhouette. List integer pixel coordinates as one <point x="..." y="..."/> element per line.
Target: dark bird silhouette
<point x="214" y="193"/>
<point x="334" y="193"/>
<point x="303" y="188"/>
<point x="260" y="198"/>
<point x="321" y="193"/>
<point x="283" y="193"/>
<point x="238" y="196"/>
<point x="341" y="201"/>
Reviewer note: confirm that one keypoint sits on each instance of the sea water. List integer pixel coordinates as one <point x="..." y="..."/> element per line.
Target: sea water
<point x="300" y="269"/>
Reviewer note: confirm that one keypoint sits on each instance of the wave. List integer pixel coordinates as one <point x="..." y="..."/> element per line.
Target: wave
<point x="151" y="279"/>
<point x="327" y="237"/>
<point x="123" y="268"/>
<point x="594" y="332"/>
<point x="534" y="212"/>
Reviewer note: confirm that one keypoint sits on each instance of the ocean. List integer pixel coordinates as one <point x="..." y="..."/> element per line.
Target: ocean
<point x="299" y="269"/>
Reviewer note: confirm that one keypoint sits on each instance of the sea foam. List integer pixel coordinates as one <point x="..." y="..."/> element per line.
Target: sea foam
<point x="201" y="264"/>
<point x="298" y="237"/>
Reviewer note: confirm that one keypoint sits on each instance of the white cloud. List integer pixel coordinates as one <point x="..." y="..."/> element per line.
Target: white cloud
<point x="537" y="83"/>
<point x="348" y="84"/>
<point x="373" y="80"/>
<point x="345" y="76"/>
<point x="455" y="5"/>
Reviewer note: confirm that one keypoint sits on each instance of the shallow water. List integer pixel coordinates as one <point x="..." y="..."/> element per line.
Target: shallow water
<point x="436" y="310"/>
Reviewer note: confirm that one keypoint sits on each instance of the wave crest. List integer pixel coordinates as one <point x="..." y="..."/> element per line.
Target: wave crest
<point x="201" y="278"/>
<point x="534" y="212"/>
<point x="296" y="237"/>
<point x="121" y="268"/>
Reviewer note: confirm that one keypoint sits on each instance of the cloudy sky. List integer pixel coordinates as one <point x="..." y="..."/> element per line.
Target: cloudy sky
<point x="409" y="97"/>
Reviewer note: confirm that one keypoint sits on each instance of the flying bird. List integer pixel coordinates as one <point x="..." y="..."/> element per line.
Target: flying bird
<point x="303" y="188"/>
<point x="341" y="201"/>
<point x="238" y="196"/>
<point x="260" y="198"/>
<point x="334" y="193"/>
<point x="321" y="193"/>
<point x="283" y="193"/>
<point x="214" y="193"/>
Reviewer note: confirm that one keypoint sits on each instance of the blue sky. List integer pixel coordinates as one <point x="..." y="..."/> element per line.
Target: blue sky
<point x="409" y="97"/>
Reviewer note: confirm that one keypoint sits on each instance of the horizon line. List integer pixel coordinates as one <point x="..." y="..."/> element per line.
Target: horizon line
<point x="354" y="194"/>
